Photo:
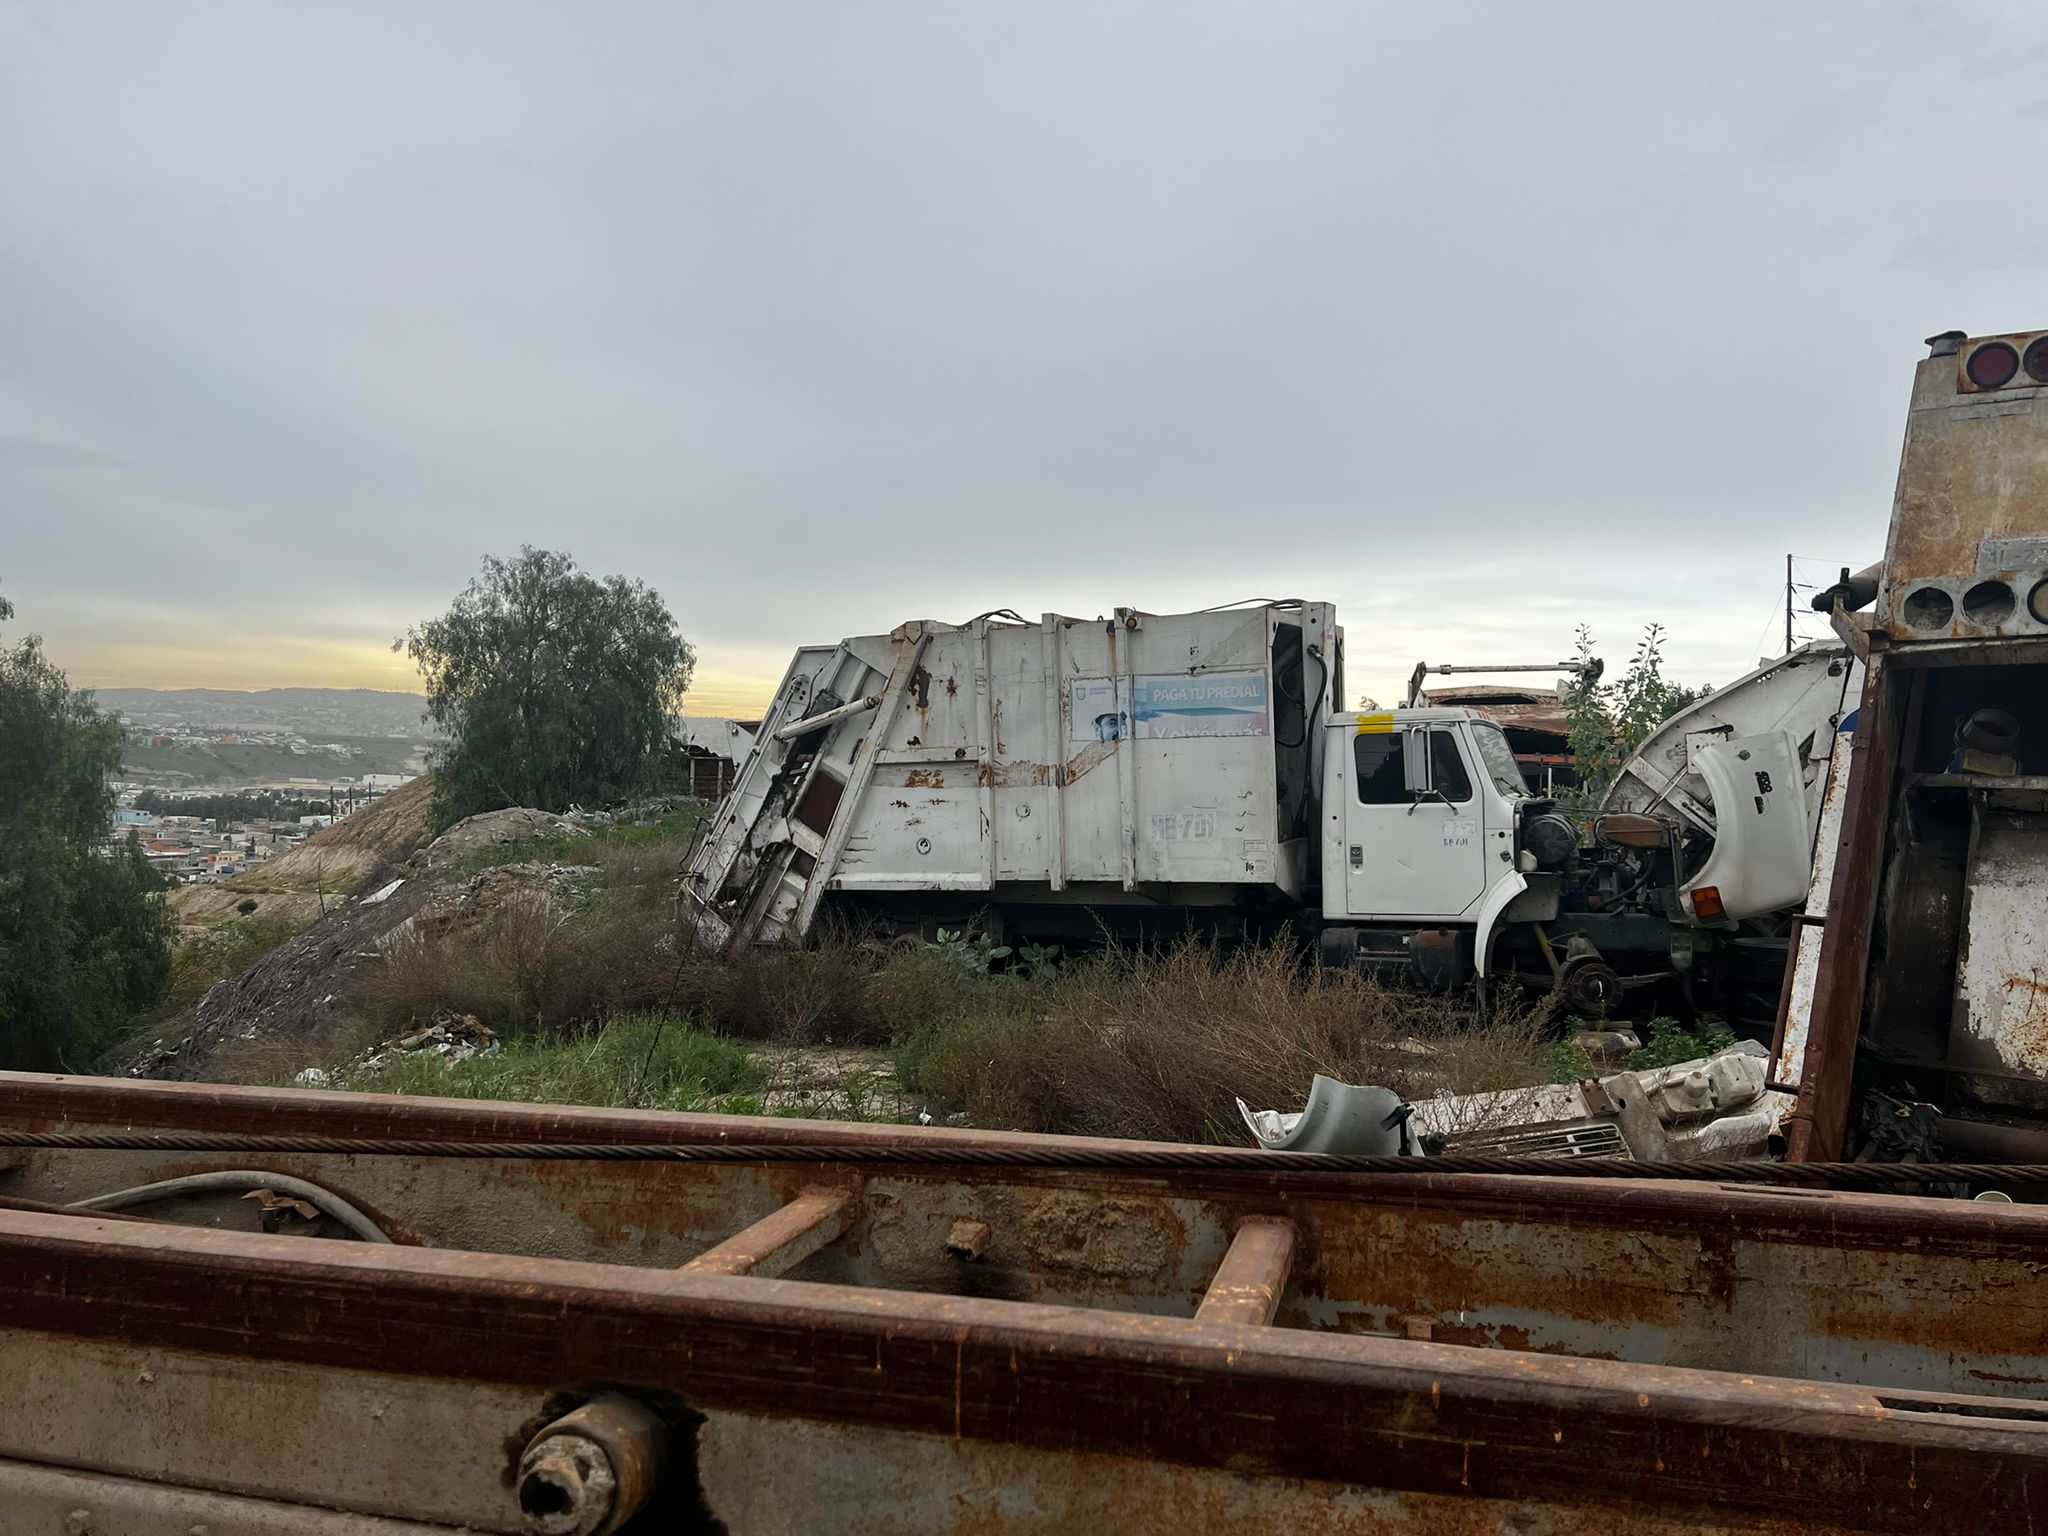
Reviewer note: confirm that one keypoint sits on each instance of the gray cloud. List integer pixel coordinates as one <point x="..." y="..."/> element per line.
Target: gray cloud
<point x="1481" y="319"/>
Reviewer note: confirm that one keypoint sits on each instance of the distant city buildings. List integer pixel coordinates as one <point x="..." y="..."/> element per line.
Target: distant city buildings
<point x="306" y="756"/>
<point x="195" y="849"/>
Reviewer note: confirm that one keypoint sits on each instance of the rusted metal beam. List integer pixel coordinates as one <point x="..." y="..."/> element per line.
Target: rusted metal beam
<point x="51" y="1101"/>
<point x="1844" y="1220"/>
<point x="1253" y="1274"/>
<point x="1815" y="1129"/>
<point x="780" y="1241"/>
<point x="1404" y="1415"/>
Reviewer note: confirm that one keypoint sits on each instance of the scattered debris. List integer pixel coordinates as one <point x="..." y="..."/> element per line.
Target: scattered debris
<point x="271" y="1200"/>
<point x="482" y="896"/>
<point x="1716" y="1107"/>
<point x="1605" y="1047"/>
<point x="453" y="1037"/>
<point x="297" y="988"/>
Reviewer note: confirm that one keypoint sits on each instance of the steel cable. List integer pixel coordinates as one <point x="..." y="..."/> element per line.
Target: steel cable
<point x="1136" y="1158"/>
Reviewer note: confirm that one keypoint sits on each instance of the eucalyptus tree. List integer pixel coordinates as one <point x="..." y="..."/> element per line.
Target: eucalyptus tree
<point x="554" y="688"/>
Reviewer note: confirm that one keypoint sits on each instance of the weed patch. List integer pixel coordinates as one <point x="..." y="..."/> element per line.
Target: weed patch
<point x="637" y="1061"/>
<point x="1669" y="1042"/>
<point x="667" y="840"/>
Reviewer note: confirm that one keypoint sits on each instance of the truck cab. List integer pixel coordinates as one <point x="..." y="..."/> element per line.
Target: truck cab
<point x="1420" y="812"/>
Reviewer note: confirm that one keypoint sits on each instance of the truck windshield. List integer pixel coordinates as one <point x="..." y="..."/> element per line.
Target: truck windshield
<point x="1499" y="759"/>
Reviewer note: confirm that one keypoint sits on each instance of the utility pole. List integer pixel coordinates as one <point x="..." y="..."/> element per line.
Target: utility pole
<point x="1788" y="605"/>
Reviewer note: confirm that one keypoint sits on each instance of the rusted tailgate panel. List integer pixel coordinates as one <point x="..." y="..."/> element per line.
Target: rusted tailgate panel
<point x="1004" y="1347"/>
<point x="1400" y="1415"/>
<point x="1889" y="1292"/>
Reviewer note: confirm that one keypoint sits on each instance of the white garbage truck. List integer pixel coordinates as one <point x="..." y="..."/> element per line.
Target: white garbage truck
<point x="1053" y="779"/>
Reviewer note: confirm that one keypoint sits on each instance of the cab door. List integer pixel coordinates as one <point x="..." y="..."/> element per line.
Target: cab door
<point x="1413" y="851"/>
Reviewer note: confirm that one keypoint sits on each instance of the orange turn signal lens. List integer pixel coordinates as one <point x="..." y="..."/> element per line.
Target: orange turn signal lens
<point x="1706" y="904"/>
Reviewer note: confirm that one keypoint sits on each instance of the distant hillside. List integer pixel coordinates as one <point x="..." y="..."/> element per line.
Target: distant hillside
<point x="190" y="765"/>
<point x="340" y="860"/>
<point x="329" y="713"/>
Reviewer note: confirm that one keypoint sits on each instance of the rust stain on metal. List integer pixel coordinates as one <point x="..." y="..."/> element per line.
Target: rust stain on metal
<point x="1022" y="774"/>
<point x="1110" y="1237"/>
<point x="925" y="778"/>
<point x="1816" y="1127"/>
<point x="1970" y="475"/>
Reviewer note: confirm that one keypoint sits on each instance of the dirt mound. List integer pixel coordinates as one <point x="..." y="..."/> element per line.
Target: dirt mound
<point x="294" y="991"/>
<point x="482" y="835"/>
<point x="483" y="898"/>
<point x="202" y="906"/>
<point x="302" y="988"/>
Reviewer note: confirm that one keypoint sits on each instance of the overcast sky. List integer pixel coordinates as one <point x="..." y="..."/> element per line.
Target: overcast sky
<point x="1482" y="320"/>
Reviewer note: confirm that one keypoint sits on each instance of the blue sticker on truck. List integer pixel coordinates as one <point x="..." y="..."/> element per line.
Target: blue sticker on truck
<point x="1204" y="704"/>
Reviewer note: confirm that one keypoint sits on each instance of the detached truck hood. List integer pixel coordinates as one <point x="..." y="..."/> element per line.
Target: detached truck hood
<point x="1762" y="854"/>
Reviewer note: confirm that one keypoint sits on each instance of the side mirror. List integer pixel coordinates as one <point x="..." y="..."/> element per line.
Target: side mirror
<point x="1415" y="762"/>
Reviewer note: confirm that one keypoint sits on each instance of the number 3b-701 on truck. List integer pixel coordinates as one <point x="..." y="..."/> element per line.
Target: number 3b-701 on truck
<point x="1152" y="772"/>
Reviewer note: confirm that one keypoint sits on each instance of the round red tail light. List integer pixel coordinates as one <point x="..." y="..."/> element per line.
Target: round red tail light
<point x="1992" y="365"/>
<point x="2035" y="360"/>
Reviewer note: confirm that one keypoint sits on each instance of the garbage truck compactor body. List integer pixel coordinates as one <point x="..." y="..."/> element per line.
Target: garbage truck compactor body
<point x="1147" y="772"/>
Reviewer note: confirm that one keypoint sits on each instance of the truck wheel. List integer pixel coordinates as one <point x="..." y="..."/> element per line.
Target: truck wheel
<point x="1590" y="987"/>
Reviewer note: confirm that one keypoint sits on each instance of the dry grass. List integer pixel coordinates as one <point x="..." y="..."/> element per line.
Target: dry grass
<point x="1157" y="1044"/>
<point x="1145" y="1043"/>
<point x="540" y="955"/>
<point x="841" y="991"/>
<point x="275" y="1060"/>
<point x="203" y="959"/>
<point x="1152" y="1043"/>
<point x="532" y="963"/>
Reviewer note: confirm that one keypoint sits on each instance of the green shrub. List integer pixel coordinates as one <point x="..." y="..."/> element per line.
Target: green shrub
<point x="638" y="1061"/>
<point x="1667" y="1043"/>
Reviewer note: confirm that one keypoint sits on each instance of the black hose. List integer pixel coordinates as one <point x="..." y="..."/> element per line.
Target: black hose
<point x="237" y="1180"/>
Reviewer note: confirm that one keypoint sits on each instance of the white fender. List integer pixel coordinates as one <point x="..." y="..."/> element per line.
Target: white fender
<point x="1498" y="896"/>
<point x="1759" y="863"/>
